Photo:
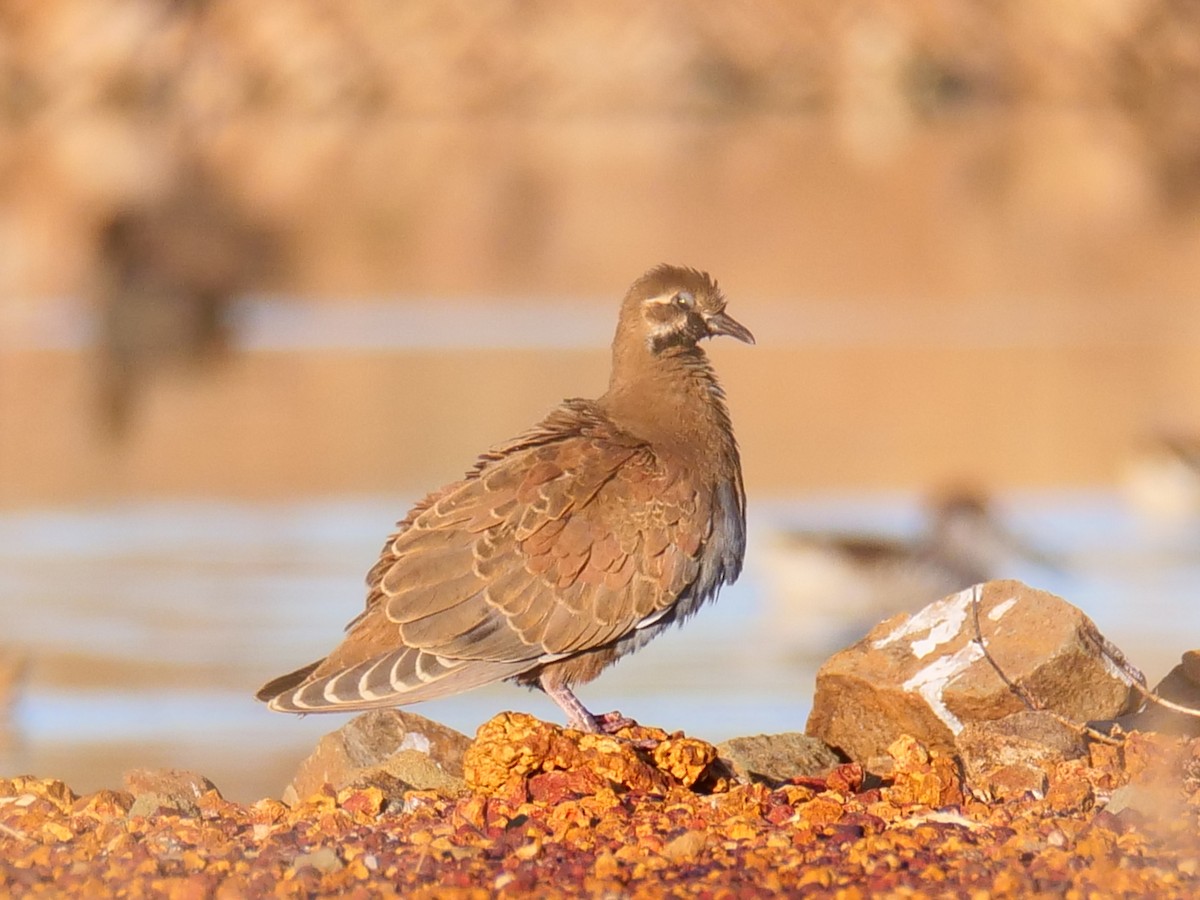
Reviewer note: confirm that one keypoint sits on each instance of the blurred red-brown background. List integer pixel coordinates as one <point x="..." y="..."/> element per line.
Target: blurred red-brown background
<point x="965" y="234"/>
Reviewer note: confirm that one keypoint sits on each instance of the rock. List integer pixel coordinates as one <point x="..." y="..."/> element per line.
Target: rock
<point x="172" y="789"/>
<point x="1182" y="686"/>
<point x="151" y="803"/>
<point x="104" y="805"/>
<point x="1190" y="663"/>
<point x="922" y="777"/>
<point x="774" y="759"/>
<point x="686" y="847"/>
<point x="514" y="754"/>
<point x="686" y="761"/>
<point x="1154" y="764"/>
<point x="324" y="860"/>
<point x="1006" y="758"/>
<point x="393" y="750"/>
<point x="925" y="675"/>
<point x="1070" y="796"/>
<point x="1013" y="781"/>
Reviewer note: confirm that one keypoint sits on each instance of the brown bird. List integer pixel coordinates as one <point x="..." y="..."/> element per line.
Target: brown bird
<point x="567" y="547"/>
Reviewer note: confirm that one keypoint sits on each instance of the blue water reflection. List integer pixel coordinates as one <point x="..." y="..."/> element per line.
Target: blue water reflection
<point x="150" y="625"/>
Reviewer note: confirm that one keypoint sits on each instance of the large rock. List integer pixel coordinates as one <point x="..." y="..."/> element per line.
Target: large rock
<point x="393" y="750"/>
<point x="926" y="675"/>
<point x="774" y="759"/>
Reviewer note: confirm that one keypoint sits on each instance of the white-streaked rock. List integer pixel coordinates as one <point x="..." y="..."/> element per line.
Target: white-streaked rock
<point x="927" y="676"/>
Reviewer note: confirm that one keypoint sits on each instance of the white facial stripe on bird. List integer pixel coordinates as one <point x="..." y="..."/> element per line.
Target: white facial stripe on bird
<point x="659" y="330"/>
<point x="668" y="297"/>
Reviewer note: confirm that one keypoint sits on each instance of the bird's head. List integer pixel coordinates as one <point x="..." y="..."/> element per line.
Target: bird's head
<point x="675" y="307"/>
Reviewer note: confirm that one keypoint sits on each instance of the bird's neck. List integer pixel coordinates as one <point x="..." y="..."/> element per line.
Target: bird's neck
<point x="671" y="398"/>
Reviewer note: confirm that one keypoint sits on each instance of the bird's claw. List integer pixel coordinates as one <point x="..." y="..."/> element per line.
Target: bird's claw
<point x="612" y="722"/>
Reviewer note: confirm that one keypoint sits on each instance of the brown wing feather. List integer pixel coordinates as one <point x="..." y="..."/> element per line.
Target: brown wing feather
<point x="539" y="552"/>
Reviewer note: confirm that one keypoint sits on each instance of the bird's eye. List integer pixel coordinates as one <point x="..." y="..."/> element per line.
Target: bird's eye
<point x="684" y="300"/>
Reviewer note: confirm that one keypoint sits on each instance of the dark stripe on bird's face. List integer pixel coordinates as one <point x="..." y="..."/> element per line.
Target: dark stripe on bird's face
<point x="673" y="319"/>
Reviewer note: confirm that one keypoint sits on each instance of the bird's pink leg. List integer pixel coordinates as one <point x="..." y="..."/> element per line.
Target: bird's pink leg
<point x="578" y="716"/>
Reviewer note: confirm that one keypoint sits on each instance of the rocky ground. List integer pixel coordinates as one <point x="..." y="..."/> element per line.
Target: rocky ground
<point x="961" y="802"/>
<point x="556" y="813"/>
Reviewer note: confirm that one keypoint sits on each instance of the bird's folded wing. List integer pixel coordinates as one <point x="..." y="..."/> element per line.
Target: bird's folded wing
<point x="551" y="548"/>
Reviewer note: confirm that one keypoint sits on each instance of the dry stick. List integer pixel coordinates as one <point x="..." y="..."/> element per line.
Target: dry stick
<point x="1169" y="704"/>
<point x="1137" y="679"/>
<point x="1022" y="694"/>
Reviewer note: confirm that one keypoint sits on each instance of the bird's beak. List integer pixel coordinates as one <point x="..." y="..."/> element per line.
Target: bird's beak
<point x="720" y="323"/>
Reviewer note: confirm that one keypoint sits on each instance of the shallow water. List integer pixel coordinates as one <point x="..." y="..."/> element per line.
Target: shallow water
<point x="150" y="625"/>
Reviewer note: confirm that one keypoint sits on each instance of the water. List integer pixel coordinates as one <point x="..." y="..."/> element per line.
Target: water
<point x="150" y="625"/>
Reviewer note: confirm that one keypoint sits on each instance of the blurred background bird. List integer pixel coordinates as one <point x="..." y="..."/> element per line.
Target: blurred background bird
<point x="1162" y="479"/>
<point x="168" y="269"/>
<point x="825" y="590"/>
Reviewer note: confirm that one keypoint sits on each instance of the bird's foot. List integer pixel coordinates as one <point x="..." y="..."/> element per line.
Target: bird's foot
<point x="609" y="723"/>
<point x="578" y="716"/>
<point x="612" y="722"/>
<point x="627" y="731"/>
<point x="580" y="719"/>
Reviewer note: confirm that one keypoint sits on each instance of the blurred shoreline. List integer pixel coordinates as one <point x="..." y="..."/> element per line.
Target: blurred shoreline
<point x="327" y="399"/>
<point x="966" y="236"/>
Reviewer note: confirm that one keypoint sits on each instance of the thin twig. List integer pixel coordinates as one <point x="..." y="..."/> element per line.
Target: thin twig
<point x="1167" y="704"/>
<point x="1020" y="690"/>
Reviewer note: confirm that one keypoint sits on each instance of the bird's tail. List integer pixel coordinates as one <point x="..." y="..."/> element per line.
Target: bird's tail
<point x="285" y="683"/>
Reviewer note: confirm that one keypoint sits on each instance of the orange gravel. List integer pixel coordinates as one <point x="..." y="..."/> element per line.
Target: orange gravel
<point x="553" y="813"/>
